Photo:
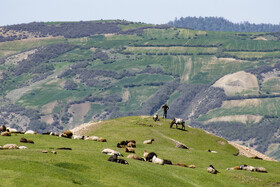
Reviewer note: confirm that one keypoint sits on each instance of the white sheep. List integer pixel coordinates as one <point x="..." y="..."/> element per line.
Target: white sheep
<point x="11" y="130"/>
<point x="30" y="132"/>
<point x="77" y="137"/>
<point x="248" y="168"/>
<point x="22" y="147"/>
<point x="10" y="146"/>
<point x="93" y="138"/>
<point x="157" y="160"/>
<point x="148" y="141"/>
<point x="111" y="152"/>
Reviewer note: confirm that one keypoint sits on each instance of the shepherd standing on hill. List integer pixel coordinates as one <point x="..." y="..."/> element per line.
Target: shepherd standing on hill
<point x="165" y="108"/>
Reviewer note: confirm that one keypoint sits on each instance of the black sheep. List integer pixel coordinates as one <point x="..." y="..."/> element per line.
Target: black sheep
<point x="150" y="156"/>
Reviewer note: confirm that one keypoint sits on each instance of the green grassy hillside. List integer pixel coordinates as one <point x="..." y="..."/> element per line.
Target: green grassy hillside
<point x="86" y="165"/>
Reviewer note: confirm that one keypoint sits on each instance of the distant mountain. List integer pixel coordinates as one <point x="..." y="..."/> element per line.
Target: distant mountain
<point x="222" y="24"/>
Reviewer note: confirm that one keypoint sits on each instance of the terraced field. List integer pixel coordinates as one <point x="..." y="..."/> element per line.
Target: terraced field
<point x="106" y="69"/>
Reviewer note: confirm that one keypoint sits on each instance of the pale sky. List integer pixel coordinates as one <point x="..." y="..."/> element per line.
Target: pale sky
<point x="148" y="11"/>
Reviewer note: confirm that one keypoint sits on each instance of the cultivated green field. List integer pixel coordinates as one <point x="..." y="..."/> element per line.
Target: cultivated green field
<point x="85" y="165"/>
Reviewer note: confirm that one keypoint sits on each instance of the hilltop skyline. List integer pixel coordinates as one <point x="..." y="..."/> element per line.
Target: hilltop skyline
<point x="155" y="12"/>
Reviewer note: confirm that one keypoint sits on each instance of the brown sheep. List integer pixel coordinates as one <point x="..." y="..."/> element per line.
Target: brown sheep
<point x="181" y="164"/>
<point x="235" y="168"/>
<point x="133" y="141"/>
<point x="102" y="139"/>
<point x="67" y="134"/>
<point x="191" y="166"/>
<point x="131" y="144"/>
<point x="30" y="141"/>
<point x="134" y="156"/>
<point x="5" y="133"/>
<point x="3" y="128"/>
<point x="129" y="150"/>
<point x="23" y="140"/>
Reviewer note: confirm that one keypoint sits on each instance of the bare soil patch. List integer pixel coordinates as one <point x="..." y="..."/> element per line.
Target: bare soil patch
<point x="238" y="82"/>
<point x="48" y="108"/>
<point x="245" y="151"/>
<point x="239" y="118"/>
<point x="241" y="103"/>
<point x="47" y="119"/>
<point x="86" y="127"/>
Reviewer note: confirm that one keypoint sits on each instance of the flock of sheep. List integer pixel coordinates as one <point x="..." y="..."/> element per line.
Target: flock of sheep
<point x="128" y="146"/>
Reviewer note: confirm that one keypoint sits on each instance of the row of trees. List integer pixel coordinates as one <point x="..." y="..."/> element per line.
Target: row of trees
<point x="221" y="24"/>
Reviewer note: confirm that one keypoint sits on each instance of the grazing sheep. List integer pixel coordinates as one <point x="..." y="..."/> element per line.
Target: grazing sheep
<point x="22" y="147"/>
<point x="54" y="134"/>
<point x="168" y="162"/>
<point x="191" y="166"/>
<point x="30" y="141"/>
<point x="113" y="158"/>
<point x="122" y="161"/>
<point x="102" y="139"/>
<point x="1" y="147"/>
<point x="211" y="151"/>
<point x="3" y="128"/>
<point x="77" y="137"/>
<point x="53" y="152"/>
<point x="247" y="168"/>
<point x="11" y="130"/>
<point x="6" y="133"/>
<point x="67" y="134"/>
<point x="145" y="154"/>
<point x="212" y="170"/>
<point x="150" y="156"/>
<point x="23" y="140"/>
<point x="124" y="142"/>
<point x="133" y="141"/>
<point x="181" y="146"/>
<point x="148" y="141"/>
<point x="30" y="132"/>
<point x="136" y="157"/>
<point x="129" y="150"/>
<point x="93" y="138"/>
<point x="111" y="152"/>
<point x="235" y="168"/>
<point x="177" y="121"/>
<point x="10" y="146"/>
<point x="44" y="151"/>
<point x="157" y="160"/>
<point x="155" y="117"/>
<point x="180" y="164"/>
<point x="119" y="145"/>
<point x="260" y="169"/>
<point x="131" y="144"/>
